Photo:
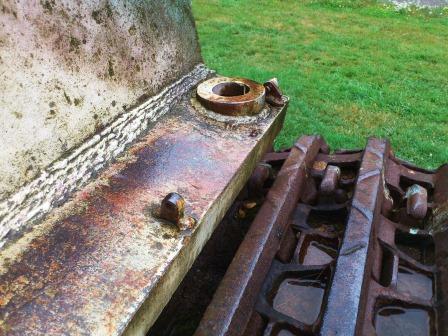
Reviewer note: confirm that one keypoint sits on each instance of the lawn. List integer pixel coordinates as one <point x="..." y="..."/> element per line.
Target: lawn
<point x="352" y="69"/>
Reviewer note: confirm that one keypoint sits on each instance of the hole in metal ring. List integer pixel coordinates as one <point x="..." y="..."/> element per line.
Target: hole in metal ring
<point x="230" y="89"/>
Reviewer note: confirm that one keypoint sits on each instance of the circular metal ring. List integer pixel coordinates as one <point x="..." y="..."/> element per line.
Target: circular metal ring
<point x="232" y="96"/>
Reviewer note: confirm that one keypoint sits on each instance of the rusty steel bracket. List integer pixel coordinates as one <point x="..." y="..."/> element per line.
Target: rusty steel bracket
<point x="107" y="261"/>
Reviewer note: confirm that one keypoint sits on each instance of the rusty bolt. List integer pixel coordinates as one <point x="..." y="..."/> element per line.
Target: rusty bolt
<point x="318" y="169"/>
<point x="172" y="208"/>
<point x="254" y="133"/>
<point x="260" y="175"/>
<point x="417" y="201"/>
<point x="273" y="94"/>
<point x="330" y="180"/>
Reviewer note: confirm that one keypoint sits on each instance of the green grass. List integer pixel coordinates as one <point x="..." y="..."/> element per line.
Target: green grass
<point x="352" y="68"/>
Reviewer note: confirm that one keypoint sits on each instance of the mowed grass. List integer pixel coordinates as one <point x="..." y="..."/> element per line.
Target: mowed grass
<point x="352" y="69"/>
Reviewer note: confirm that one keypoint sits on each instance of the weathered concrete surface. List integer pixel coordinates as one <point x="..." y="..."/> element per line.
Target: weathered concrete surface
<point x="103" y="263"/>
<point x="68" y="68"/>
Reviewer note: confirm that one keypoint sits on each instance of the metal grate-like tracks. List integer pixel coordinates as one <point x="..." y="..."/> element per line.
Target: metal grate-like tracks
<point x="348" y="243"/>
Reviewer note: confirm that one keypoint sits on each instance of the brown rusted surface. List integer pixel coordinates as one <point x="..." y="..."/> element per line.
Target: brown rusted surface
<point x="181" y="316"/>
<point x="274" y="95"/>
<point x="350" y="276"/>
<point x="172" y="208"/>
<point x="232" y="96"/>
<point x="417" y="201"/>
<point x="440" y="233"/>
<point x="228" y="313"/>
<point x="360" y="264"/>
<point x="58" y="181"/>
<point x="257" y="181"/>
<point x="331" y="179"/>
<point x="103" y="263"/>
<point x="404" y="289"/>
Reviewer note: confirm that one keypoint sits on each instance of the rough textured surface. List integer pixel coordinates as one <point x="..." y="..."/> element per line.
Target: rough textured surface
<point x="229" y="312"/>
<point x="53" y="185"/>
<point x="353" y="256"/>
<point x="103" y="263"/>
<point x="68" y="68"/>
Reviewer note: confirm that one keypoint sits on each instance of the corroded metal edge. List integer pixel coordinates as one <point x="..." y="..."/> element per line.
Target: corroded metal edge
<point x="228" y="119"/>
<point x="160" y="296"/>
<point x="54" y="184"/>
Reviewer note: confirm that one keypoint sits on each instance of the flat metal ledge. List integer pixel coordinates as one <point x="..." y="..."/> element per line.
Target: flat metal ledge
<point x="103" y="264"/>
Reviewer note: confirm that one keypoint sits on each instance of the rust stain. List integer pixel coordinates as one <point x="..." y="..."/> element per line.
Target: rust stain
<point x="232" y="96"/>
<point x="105" y="251"/>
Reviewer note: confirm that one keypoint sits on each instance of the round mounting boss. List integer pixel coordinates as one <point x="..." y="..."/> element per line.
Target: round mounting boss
<point x="232" y="96"/>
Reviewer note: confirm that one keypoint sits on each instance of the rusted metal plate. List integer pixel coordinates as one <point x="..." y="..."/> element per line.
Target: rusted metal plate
<point x="352" y="261"/>
<point x="104" y="263"/>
